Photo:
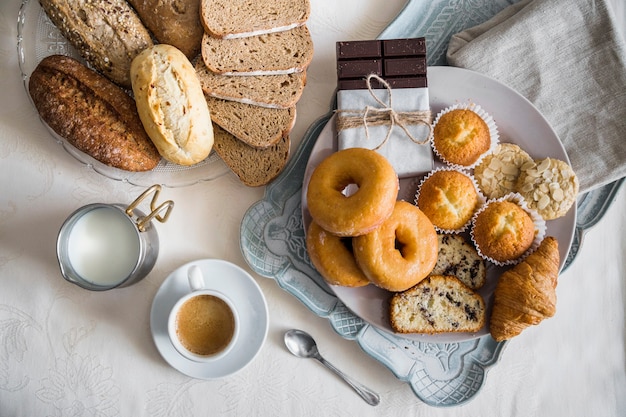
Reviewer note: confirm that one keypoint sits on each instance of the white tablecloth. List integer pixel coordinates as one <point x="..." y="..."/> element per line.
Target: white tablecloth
<point x="65" y="351"/>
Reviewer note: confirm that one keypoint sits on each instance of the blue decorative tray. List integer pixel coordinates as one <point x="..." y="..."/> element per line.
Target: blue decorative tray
<point x="273" y="240"/>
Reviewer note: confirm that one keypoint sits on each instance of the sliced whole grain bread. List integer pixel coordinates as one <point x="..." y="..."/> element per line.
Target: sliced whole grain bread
<point x="254" y="167"/>
<point x="272" y="53"/>
<point x="243" y="18"/>
<point x="276" y="91"/>
<point x="257" y="126"/>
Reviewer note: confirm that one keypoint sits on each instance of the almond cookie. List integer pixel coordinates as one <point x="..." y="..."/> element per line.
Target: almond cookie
<point x="458" y="257"/>
<point x="498" y="172"/>
<point x="549" y="186"/>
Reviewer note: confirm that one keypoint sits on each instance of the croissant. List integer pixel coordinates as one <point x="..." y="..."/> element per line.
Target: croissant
<point x="526" y="294"/>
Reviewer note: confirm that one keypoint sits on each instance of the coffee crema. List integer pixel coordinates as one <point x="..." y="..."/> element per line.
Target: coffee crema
<point x="205" y="325"/>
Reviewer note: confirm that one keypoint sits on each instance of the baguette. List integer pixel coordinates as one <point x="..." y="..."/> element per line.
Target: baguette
<point x="171" y="104"/>
<point x="174" y="22"/>
<point x="242" y="18"/>
<point x="91" y="113"/>
<point x="273" y="53"/>
<point x="258" y="127"/>
<point x="254" y="167"/>
<point x="107" y="34"/>
<point x="274" y="91"/>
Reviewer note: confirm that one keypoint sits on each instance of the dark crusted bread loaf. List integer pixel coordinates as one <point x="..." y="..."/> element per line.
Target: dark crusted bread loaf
<point x="242" y="18"/>
<point x="272" y="53"/>
<point x="437" y="304"/>
<point x="173" y="22"/>
<point x="275" y="91"/>
<point x="92" y="113"/>
<point x="254" y="167"/>
<point x="108" y="34"/>
<point x="459" y="258"/>
<point x="258" y="127"/>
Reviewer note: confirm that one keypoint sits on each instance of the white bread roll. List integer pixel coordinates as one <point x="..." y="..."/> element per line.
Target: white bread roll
<point x="171" y="104"/>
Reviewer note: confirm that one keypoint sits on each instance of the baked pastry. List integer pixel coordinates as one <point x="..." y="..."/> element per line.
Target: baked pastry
<point x="274" y="91"/>
<point x="549" y="186"/>
<point x="256" y="126"/>
<point x="173" y="22"/>
<point x="333" y="258"/>
<point x="498" y="171"/>
<point x="239" y="18"/>
<point x="457" y="257"/>
<point x="360" y="212"/>
<point x="91" y="113"/>
<point x="449" y="199"/>
<point x="171" y="104"/>
<point x="437" y="304"/>
<point x="503" y="231"/>
<point x="253" y="166"/>
<point x="107" y="34"/>
<point x="400" y="252"/>
<point x="461" y="137"/>
<point x="272" y="53"/>
<point x="526" y="294"/>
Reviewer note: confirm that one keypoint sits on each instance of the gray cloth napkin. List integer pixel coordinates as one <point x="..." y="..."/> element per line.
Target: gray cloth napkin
<point x="568" y="59"/>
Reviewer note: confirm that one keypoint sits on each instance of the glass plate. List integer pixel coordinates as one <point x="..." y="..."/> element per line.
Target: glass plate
<point x="37" y="38"/>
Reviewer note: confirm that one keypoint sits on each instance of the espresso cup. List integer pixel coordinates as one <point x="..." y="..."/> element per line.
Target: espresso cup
<point x="203" y="325"/>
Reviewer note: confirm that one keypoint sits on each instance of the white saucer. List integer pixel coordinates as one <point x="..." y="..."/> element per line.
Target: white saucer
<point x="249" y="300"/>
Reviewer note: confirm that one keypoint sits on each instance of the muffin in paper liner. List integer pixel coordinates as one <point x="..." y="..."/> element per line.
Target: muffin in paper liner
<point x="481" y="199"/>
<point x="539" y="223"/>
<point x="487" y="118"/>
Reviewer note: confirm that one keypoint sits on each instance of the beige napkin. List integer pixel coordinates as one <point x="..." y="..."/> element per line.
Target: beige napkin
<point x="568" y="59"/>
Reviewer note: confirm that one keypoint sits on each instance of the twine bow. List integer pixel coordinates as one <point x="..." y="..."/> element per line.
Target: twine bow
<point x="384" y="115"/>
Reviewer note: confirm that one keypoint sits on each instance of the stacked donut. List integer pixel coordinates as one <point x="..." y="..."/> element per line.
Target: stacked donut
<point x="359" y="233"/>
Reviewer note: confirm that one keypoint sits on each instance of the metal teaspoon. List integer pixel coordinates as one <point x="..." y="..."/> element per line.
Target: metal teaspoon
<point x="302" y="345"/>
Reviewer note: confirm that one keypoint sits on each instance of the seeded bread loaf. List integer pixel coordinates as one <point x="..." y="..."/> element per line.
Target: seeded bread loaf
<point x="273" y="53"/>
<point x="93" y="114"/>
<point x="243" y="18"/>
<point x="275" y="91"/>
<point x="174" y="22"/>
<point x="108" y="34"/>
<point x="171" y="104"/>
<point x="258" y="127"/>
<point x="437" y="304"/>
<point x="254" y="167"/>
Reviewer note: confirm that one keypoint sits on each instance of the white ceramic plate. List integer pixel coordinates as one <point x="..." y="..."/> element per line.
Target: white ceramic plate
<point x="518" y="122"/>
<point x="249" y="300"/>
<point x="37" y="38"/>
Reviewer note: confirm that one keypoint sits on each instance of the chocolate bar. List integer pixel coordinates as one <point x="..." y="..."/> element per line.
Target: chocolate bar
<point x="400" y="62"/>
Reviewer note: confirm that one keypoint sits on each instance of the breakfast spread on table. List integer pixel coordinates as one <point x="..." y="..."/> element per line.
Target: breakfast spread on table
<point x="231" y="84"/>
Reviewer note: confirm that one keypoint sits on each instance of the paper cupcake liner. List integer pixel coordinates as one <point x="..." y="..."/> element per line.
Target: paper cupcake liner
<point x="539" y="222"/>
<point x="481" y="197"/>
<point x="491" y="124"/>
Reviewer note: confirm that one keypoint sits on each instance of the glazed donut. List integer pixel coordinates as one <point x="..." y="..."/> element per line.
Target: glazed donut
<point x="365" y="209"/>
<point x="333" y="258"/>
<point x="401" y="252"/>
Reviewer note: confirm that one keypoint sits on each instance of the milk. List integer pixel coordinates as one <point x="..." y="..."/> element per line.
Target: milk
<point x="103" y="246"/>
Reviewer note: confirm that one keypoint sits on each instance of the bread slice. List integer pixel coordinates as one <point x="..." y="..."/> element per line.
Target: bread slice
<point x="273" y="53"/>
<point x="254" y="167"/>
<point x="243" y="18"/>
<point x="275" y="91"/>
<point x="437" y="304"/>
<point x="459" y="258"/>
<point x="258" y="127"/>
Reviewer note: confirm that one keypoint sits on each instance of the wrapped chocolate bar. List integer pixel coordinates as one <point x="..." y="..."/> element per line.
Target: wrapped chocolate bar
<point x="382" y="101"/>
